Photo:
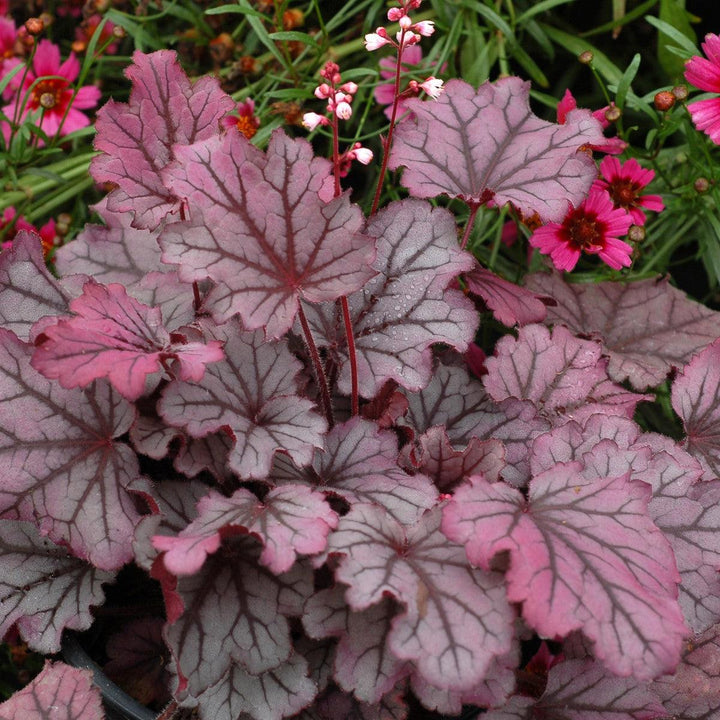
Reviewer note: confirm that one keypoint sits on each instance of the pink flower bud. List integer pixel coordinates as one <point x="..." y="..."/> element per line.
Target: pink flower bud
<point x="407" y="38"/>
<point x="425" y="27"/>
<point x="349" y="87"/>
<point x="394" y="14"/>
<point x="363" y="155"/>
<point x="343" y="110"/>
<point x="312" y="120"/>
<point x="433" y="87"/>
<point x="405" y="22"/>
<point x="374" y="41"/>
<point x="323" y="91"/>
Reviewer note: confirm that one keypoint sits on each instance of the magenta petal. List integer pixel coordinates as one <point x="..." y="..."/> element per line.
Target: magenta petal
<point x="703" y="74"/>
<point x="86" y="97"/>
<point x="47" y="59"/>
<point x="706" y="117"/>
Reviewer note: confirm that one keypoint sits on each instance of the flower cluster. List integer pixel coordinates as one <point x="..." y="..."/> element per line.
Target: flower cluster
<point x="597" y="224"/>
<point x="409" y="33"/>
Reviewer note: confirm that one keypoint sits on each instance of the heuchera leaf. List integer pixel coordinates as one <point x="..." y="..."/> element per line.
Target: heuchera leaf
<point x="113" y="336"/>
<point x="456" y="619"/>
<point x="138" y="138"/>
<point x="693" y="692"/>
<point x="111" y="253"/>
<point x="43" y="588"/>
<point x="253" y="393"/>
<point x="289" y="520"/>
<point x="364" y="664"/>
<point x="510" y="303"/>
<point x="597" y="563"/>
<point x="584" y="690"/>
<point x="236" y="611"/>
<point x="647" y="327"/>
<point x="260" y="227"/>
<point x="59" y="692"/>
<point x="270" y="695"/>
<point x="487" y="144"/>
<point x="359" y="463"/>
<point x="563" y="376"/>
<point x="406" y="308"/>
<point x="28" y="291"/>
<point x="695" y="394"/>
<point x="60" y="466"/>
<point x="461" y="404"/>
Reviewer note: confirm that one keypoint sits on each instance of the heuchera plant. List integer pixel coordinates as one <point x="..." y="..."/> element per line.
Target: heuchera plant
<point x="334" y="527"/>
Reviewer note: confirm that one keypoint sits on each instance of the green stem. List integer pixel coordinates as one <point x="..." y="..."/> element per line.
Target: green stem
<point x="668" y="245"/>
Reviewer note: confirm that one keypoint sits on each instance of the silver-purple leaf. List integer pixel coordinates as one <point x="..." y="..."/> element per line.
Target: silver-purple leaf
<point x="60" y="465"/>
<point x="359" y="463"/>
<point x="262" y="228"/>
<point x="139" y="138"/>
<point x="598" y="563"/>
<point x="646" y="327"/>
<point x="253" y="393"/>
<point x="290" y="519"/>
<point x="563" y="376"/>
<point x="59" y="692"/>
<point x="584" y="690"/>
<point x="456" y="619"/>
<point x="43" y="588"/>
<point x="270" y="695"/>
<point x="28" y="291"/>
<point x="696" y="399"/>
<point x="486" y="144"/>
<point x="406" y="307"/>
<point x="112" y="253"/>
<point x="235" y="611"/>
<point x="510" y="303"/>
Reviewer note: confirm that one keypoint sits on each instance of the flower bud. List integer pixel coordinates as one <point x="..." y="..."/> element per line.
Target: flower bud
<point x="636" y="233"/>
<point x="363" y="155"/>
<point x="343" y="110"/>
<point x="34" y="26"/>
<point x="374" y="41"/>
<point x="664" y="100"/>
<point x="405" y="22"/>
<point x="613" y="114"/>
<point x="680" y="92"/>
<point x="425" y="27"/>
<point x="433" y="87"/>
<point x="323" y="91"/>
<point x="394" y="14"/>
<point x="585" y="57"/>
<point x="349" y="87"/>
<point x="701" y="185"/>
<point x="312" y="120"/>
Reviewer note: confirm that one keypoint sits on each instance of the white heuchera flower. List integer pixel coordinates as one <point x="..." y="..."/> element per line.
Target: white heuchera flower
<point x="433" y="87"/>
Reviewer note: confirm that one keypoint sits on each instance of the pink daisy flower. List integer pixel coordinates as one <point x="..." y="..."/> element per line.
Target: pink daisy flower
<point x="705" y="74"/>
<point x="625" y="182"/>
<point x="54" y="94"/>
<point x="594" y="227"/>
<point x="243" y="119"/>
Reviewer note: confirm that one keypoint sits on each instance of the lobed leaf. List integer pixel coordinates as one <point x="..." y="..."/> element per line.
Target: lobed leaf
<point x="261" y="226"/>
<point x="647" y="327"/>
<point x="456" y="619"/>
<point x="59" y="692"/>
<point x="253" y="393"/>
<point x="598" y="563"/>
<point x="139" y="138"/>
<point x="60" y="465"/>
<point x="486" y="144"/>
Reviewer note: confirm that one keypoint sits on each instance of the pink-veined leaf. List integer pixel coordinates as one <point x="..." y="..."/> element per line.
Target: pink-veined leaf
<point x="695" y="398"/>
<point x="486" y="144"/>
<point x="584" y="690"/>
<point x="338" y="705"/>
<point x="459" y="403"/>
<point x="510" y="303"/>
<point x="647" y="327"/>
<point x="320" y="655"/>
<point x="359" y="463"/>
<point x="261" y="230"/>
<point x="43" y="588"/>
<point x="139" y="138"/>
<point x="28" y="291"/>
<point x="174" y="299"/>
<point x="563" y="376"/>
<point x="406" y="307"/>
<point x="456" y="619"/>
<point x="364" y="664"/>
<point x="290" y="519"/>
<point x="111" y="253"/>
<point x="270" y="695"/>
<point x="447" y="467"/>
<point x="252" y="392"/>
<point x="598" y="563"/>
<point x="693" y="692"/>
<point x="235" y="611"/>
<point x="59" y="692"/>
<point x="113" y="336"/>
<point x="54" y="441"/>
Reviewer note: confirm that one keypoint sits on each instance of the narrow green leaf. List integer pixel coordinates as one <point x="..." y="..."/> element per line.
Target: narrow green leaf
<point x="492" y="17"/>
<point x="635" y="13"/>
<point x="626" y="81"/>
<point x="529" y="65"/>
<point x="685" y="39"/>
<point x="294" y="35"/>
<point x="242" y="9"/>
<point x="537" y="8"/>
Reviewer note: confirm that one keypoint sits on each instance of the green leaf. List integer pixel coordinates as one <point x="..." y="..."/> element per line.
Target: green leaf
<point x="242" y="9"/>
<point x="628" y="17"/>
<point x="674" y="25"/>
<point x="294" y="35"/>
<point x="474" y="65"/>
<point x="626" y="81"/>
<point x="529" y="65"/>
<point x="538" y="8"/>
<point x="5" y="81"/>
